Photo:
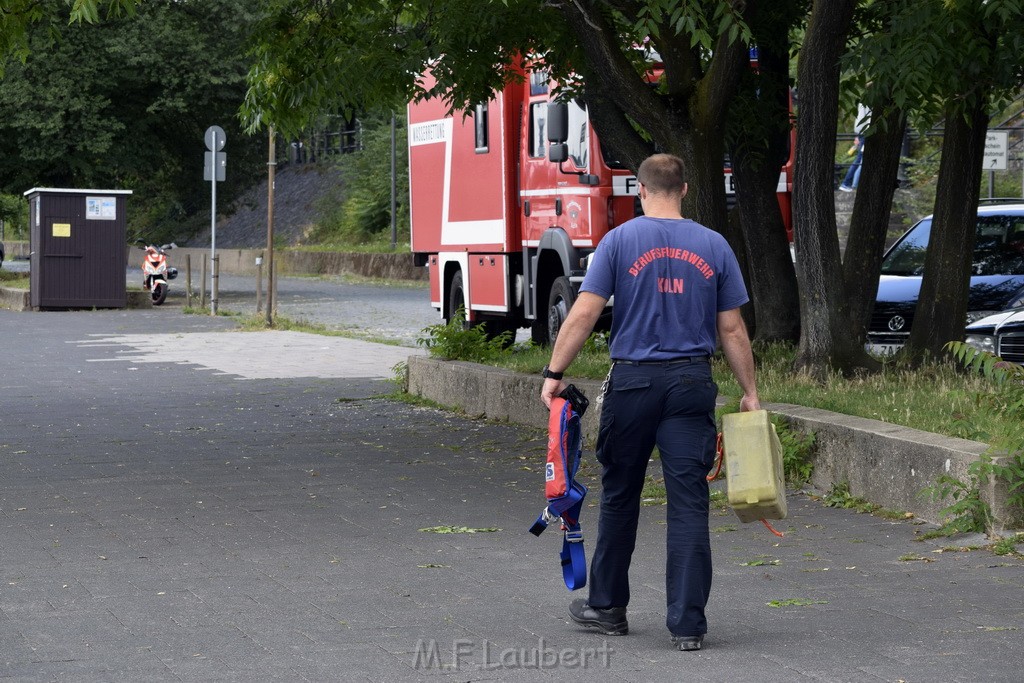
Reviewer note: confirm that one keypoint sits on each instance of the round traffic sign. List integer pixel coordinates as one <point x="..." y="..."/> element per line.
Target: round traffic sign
<point x="215" y="133"/>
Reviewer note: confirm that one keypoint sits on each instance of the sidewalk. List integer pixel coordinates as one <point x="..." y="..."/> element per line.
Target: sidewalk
<point x="175" y="520"/>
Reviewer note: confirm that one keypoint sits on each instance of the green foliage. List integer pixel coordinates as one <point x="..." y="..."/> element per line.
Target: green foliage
<point x="362" y="211"/>
<point x="700" y="23"/>
<point x="797" y="452"/>
<point x="14" y="215"/>
<point x="457" y="341"/>
<point x="1008" y="545"/>
<point x="795" y="602"/>
<point x="124" y="102"/>
<point x="967" y="513"/>
<point x="1005" y="458"/>
<point x="367" y="55"/>
<point x="839" y="496"/>
<point x="19" y="17"/>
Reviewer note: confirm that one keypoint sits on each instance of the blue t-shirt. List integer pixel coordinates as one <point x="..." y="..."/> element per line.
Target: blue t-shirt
<point x="670" y="278"/>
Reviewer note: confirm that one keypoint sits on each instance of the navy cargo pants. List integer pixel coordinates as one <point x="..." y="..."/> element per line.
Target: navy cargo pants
<point x="670" y="405"/>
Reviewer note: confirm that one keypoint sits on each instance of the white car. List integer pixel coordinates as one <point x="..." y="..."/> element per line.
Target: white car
<point x="1001" y="334"/>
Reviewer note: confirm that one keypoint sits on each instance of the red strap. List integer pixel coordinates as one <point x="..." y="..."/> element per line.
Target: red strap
<point x="718" y="458"/>
<point x="772" y="529"/>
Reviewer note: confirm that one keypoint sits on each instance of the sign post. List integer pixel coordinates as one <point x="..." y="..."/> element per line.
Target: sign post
<point x="995" y="155"/>
<point x="215" y="162"/>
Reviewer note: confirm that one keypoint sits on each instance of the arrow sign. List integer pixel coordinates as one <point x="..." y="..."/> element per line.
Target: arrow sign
<point x="995" y="150"/>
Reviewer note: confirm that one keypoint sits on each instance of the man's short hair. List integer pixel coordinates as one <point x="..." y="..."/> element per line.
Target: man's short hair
<point x="662" y="173"/>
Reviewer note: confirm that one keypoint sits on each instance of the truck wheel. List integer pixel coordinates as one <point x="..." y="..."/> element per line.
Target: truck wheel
<point x="559" y="303"/>
<point x="457" y="302"/>
<point x="456" y="299"/>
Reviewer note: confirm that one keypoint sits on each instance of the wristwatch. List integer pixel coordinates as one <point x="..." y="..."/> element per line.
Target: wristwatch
<point x="547" y="373"/>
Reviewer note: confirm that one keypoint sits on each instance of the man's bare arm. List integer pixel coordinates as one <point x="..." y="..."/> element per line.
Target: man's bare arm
<point x="573" y="334"/>
<point x="732" y="334"/>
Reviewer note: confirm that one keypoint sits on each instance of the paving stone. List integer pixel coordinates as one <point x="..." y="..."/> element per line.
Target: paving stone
<point x="305" y="559"/>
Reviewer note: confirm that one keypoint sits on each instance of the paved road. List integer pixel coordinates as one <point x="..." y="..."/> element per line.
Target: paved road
<point x="178" y="503"/>
<point x="396" y="311"/>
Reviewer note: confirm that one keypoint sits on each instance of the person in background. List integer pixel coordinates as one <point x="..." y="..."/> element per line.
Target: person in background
<point x="678" y="290"/>
<point x="852" y="178"/>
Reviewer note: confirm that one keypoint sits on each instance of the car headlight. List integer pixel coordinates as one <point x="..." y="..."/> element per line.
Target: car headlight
<point x="982" y="342"/>
<point x="972" y="316"/>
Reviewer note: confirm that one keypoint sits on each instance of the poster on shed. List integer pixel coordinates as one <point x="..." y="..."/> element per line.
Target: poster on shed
<point x="101" y="208"/>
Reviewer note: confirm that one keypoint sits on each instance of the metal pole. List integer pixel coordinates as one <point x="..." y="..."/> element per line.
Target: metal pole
<point x="394" y="187"/>
<point x="213" y="224"/>
<point x="202" y="285"/>
<point x="259" y="284"/>
<point x="991" y="183"/>
<point x="215" y="289"/>
<point x="271" y="284"/>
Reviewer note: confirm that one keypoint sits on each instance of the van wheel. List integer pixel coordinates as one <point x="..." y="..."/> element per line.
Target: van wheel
<point x="561" y="300"/>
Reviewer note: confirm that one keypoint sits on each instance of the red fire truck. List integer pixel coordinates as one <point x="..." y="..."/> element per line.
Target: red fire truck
<point x="504" y="220"/>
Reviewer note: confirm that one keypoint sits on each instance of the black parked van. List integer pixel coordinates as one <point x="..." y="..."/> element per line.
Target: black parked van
<point x="997" y="281"/>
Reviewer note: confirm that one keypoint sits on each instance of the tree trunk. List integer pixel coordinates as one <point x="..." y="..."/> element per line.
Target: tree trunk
<point x="758" y="151"/>
<point x="772" y="278"/>
<point x="825" y="343"/>
<point x="869" y="223"/>
<point x="942" y="304"/>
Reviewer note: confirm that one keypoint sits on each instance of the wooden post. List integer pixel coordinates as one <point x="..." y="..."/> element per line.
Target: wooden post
<point x="188" y="280"/>
<point x="272" y="300"/>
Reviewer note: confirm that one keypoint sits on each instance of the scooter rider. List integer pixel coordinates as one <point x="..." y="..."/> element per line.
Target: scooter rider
<point x="676" y="284"/>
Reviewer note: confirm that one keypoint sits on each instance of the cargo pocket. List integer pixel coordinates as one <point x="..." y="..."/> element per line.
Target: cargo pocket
<point x="700" y="392"/>
<point x="620" y="405"/>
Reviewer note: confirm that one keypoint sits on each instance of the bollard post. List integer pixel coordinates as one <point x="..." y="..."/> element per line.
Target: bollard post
<point x="259" y="283"/>
<point x="202" y="285"/>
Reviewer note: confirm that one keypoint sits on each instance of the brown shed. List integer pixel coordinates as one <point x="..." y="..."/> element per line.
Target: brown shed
<point x="77" y="242"/>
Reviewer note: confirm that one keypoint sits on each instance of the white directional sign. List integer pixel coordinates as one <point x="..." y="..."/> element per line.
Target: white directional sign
<point x="218" y="160"/>
<point x="995" y="150"/>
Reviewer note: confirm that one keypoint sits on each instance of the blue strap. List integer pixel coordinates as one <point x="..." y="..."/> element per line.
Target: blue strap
<point x="573" y="556"/>
<point x="567" y="508"/>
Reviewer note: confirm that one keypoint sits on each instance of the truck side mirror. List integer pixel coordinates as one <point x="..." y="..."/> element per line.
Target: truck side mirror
<point x="558" y="122"/>
<point x="558" y="153"/>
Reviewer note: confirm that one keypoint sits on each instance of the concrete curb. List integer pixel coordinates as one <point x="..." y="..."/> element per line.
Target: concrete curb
<point x="883" y="463"/>
<point x="14" y="299"/>
<point x="21" y="299"/>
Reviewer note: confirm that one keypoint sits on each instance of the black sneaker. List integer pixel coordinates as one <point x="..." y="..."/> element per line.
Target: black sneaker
<point x="610" y="621"/>
<point x="687" y="643"/>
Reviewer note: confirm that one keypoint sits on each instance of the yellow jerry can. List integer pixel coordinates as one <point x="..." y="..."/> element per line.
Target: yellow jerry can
<point x="753" y="466"/>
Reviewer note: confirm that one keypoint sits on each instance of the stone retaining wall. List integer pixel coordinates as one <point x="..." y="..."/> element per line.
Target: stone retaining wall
<point x="243" y="262"/>
<point x="886" y="464"/>
<point x="289" y="262"/>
